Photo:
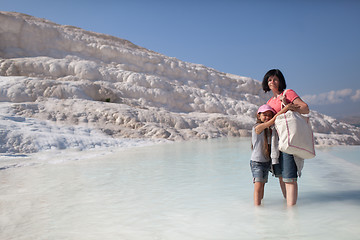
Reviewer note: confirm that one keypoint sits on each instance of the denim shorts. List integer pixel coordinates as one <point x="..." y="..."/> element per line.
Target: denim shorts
<point x="286" y="168"/>
<point x="260" y="171"/>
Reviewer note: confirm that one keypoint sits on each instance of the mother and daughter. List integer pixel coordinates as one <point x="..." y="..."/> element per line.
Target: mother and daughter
<point x="265" y="153"/>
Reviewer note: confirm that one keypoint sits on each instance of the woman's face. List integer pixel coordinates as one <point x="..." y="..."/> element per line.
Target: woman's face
<point x="273" y="82"/>
<point x="266" y="116"/>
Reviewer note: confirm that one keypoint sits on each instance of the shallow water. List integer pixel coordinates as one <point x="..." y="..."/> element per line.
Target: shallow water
<point x="191" y="190"/>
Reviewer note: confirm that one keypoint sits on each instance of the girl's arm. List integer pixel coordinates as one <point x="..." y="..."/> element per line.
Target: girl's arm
<point x="260" y="127"/>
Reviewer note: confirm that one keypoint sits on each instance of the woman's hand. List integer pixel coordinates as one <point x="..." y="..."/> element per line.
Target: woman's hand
<point x="303" y="107"/>
<point x="293" y="107"/>
<point x="290" y="106"/>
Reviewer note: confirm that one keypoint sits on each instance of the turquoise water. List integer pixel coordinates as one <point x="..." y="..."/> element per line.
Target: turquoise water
<point x="190" y="190"/>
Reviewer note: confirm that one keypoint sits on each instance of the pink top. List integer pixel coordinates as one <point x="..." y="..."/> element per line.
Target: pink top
<point x="275" y="102"/>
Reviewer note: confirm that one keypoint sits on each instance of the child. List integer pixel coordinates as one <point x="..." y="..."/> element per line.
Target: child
<point x="262" y="150"/>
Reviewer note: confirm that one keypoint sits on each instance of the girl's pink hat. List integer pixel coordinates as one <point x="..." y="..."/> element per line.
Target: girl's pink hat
<point x="264" y="108"/>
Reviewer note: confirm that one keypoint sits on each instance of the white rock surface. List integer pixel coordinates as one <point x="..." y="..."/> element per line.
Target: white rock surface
<point x="66" y="77"/>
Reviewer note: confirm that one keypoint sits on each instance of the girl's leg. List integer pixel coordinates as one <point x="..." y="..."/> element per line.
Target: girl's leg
<point x="258" y="192"/>
<point x="282" y="186"/>
<point x="291" y="193"/>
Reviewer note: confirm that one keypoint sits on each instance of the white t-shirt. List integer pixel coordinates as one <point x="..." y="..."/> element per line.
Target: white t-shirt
<point x="257" y="141"/>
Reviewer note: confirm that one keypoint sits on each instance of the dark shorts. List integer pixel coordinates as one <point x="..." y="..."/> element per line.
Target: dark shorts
<point x="260" y="171"/>
<point x="286" y="168"/>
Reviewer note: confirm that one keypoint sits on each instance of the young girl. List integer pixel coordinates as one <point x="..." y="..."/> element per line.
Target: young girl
<point x="262" y="150"/>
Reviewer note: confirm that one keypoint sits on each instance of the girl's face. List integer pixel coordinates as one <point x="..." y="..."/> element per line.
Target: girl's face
<point x="273" y="82"/>
<point x="266" y="116"/>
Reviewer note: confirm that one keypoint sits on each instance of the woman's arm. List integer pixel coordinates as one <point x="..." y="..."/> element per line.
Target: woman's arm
<point x="260" y="127"/>
<point x="303" y="107"/>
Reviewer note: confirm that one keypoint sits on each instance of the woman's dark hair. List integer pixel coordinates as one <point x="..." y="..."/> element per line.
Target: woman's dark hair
<point x="274" y="72"/>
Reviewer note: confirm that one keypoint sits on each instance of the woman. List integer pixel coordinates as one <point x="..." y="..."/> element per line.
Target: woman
<point x="287" y="170"/>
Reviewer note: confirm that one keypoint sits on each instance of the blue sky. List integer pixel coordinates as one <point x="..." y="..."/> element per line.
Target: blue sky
<point x="316" y="44"/>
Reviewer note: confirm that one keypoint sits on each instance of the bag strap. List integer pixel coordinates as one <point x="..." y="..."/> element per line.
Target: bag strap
<point x="282" y="102"/>
<point x="284" y="92"/>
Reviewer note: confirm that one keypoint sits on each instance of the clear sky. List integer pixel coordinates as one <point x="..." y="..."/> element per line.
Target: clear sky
<point x="315" y="43"/>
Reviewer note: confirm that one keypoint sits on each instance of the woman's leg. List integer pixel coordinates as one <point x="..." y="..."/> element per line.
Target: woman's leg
<point x="289" y="174"/>
<point x="277" y="171"/>
<point x="282" y="186"/>
<point x="291" y="193"/>
<point x="258" y="192"/>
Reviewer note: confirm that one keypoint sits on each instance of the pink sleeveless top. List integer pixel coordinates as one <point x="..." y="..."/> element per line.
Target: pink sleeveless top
<point x="275" y="103"/>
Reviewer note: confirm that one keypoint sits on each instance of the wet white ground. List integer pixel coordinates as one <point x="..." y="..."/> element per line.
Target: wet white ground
<point x="191" y="190"/>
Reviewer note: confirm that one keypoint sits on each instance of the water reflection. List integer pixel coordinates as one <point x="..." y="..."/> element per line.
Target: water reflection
<point x="350" y="196"/>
